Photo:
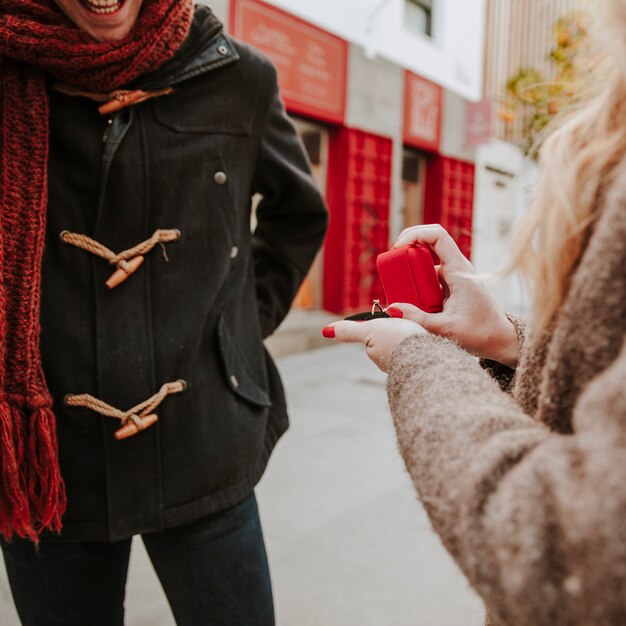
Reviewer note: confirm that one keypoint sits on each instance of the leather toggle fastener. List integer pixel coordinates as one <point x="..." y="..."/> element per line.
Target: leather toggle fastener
<point x="124" y="270"/>
<point x="114" y="101"/>
<point x="134" y="425"/>
<point x="134" y="420"/>
<point x="127" y="262"/>
<point x="122" y="99"/>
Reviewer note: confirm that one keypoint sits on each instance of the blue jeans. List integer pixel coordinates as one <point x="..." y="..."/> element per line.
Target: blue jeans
<point x="214" y="573"/>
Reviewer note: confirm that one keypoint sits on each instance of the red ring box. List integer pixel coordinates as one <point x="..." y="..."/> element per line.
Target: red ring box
<point x="408" y="275"/>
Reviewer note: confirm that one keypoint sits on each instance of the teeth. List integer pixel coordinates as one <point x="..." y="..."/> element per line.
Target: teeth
<point x="102" y="3"/>
<point x="103" y="7"/>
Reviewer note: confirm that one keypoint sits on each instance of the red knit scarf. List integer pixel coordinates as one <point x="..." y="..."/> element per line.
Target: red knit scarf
<point x="36" y="40"/>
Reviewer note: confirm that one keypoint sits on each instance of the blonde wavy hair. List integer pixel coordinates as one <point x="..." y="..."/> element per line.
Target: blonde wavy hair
<point x="578" y="162"/>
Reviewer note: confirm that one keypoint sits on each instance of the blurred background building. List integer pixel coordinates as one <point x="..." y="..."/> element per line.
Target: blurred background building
<point x="378" y="90"/>
<point x="524" y="41"/>
<point x="401" y="105"/>
<point x="519" y="34"/>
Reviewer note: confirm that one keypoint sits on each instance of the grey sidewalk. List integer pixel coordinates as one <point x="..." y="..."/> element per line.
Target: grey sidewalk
<point x="348" y="542"/>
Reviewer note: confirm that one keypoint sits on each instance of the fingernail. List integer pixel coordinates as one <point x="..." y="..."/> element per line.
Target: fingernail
<point x="393" y="312"/>
<point x="328" y="332"/>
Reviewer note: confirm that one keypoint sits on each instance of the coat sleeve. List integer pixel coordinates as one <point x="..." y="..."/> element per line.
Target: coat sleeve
<point x="291" y="217"/>
<point x="504" y="375"/>
<point x="535" y="519"/>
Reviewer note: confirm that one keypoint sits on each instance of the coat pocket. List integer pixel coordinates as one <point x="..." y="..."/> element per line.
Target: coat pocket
<point x="239" y="375"/>
<point x="199" y="110"/>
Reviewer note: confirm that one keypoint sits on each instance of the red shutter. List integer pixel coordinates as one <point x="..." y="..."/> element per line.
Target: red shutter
<point x="450" y="199"/>
<point x="359" y="189"/>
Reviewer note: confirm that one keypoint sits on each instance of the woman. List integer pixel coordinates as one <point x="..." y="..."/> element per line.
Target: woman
<point x="525" y="480"/>
<point x="133" y="134"/>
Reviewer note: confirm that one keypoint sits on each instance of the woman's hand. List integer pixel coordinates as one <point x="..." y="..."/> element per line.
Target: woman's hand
<point x="381" y="337"/>
<point x="470" y="315"/>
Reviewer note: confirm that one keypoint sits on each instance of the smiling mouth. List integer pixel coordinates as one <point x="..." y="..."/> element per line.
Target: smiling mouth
<point x="103" y="7"/>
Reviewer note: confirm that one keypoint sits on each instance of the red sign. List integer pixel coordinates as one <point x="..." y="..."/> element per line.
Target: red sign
<point x="423" y="104"/>
<point x="311" y="63"/>
<point x="478" y="123"/>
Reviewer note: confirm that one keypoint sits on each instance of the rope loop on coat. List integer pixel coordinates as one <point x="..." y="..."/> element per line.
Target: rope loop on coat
<point x="133" y="420"/>
<point x="160" y="236"/>
<point x="128" y="261"/>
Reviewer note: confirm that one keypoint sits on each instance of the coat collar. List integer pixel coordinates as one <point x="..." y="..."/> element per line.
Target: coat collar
<point x="206" y="48"/>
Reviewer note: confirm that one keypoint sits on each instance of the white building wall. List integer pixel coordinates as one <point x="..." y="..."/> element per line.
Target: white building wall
<point x="453" y="133"/>
<point x="505" y="182"/>
<point x="453" y="58"/>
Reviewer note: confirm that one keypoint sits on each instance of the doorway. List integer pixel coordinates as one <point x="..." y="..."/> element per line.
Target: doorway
<point x="315" y="140"/>
<point x="413" y="177"/>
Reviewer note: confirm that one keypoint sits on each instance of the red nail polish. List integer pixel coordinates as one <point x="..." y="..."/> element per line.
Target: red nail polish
<point x="393" y="312"/>
<point x="328" y="332"/>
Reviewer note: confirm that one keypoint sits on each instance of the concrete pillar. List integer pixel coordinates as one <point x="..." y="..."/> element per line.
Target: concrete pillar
<point x="375" y="104"/>
<point x="453" y="129"/>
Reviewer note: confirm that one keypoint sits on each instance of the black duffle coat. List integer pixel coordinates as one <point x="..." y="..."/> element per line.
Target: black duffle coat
<point x="196" y="311"/>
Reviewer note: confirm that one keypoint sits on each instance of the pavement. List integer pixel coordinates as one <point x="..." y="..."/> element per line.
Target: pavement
<point x="349" y="544"/>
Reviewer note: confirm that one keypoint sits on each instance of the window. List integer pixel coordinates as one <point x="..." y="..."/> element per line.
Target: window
<point x="418" y="16"/>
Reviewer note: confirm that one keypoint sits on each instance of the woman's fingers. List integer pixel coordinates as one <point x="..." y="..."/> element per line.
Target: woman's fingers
<point x="445" y="290"/>
<point x="380" y="336"/>
<point x="432" y="322"/>
<point x="346" y="332"/>
<point x="439" y="240"/>
<point x="405" y="311"/>
<point x="426" y="234"/>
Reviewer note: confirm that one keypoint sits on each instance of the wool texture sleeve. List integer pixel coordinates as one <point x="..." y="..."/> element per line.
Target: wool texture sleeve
<point x="501" y="373"/>
<point x="535" y="519"/>
<point x="292" y="216"/>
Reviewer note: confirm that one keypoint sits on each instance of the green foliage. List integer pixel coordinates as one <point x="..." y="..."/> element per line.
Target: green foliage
<point x="536" y="99"/>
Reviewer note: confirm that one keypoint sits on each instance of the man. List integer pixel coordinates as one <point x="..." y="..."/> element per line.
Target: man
<point x="133" y="134"/>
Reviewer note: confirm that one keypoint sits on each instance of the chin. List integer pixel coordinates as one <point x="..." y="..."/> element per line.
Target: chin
<point x="104" y="20"/>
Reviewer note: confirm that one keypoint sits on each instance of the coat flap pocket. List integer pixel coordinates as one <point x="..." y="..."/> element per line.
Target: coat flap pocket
<point x="205" y="105"/>
<point x="236" y="368"/>
<point x="193" y="121"/>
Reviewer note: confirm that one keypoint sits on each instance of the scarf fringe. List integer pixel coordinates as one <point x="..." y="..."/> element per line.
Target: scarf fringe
<point x="32" y="494"/>
<point x="14" y="514"/>
<point x="46" y="489"/>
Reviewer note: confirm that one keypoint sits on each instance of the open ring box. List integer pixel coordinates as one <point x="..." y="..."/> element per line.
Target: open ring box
<point x="408" y="275"/>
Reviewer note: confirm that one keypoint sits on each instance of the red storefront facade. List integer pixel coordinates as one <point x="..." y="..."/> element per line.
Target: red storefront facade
<point x="313" y="68"/>
<point x="311" y="63"/>
<point x="449" y="182"/>
<point x="359" y="198"/>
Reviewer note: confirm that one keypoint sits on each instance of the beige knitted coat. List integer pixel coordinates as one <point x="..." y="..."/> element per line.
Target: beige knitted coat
<point x="527" y="489"/>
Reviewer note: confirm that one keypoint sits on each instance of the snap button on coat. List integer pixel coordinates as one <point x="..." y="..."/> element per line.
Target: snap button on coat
<point x="220" y="178"/>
